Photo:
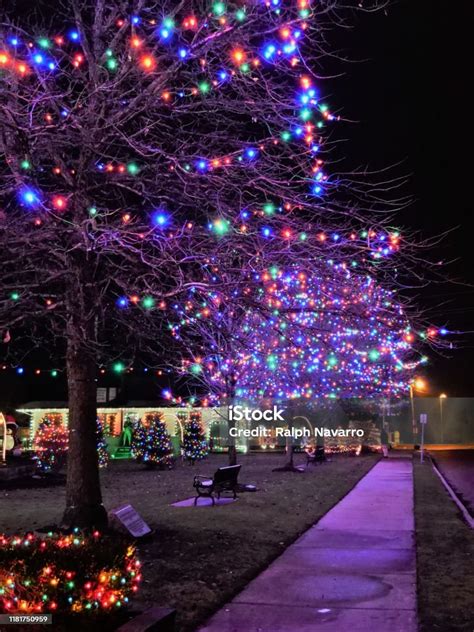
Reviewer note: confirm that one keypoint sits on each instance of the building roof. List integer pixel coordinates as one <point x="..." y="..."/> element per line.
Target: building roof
<point x="35" y="405"/>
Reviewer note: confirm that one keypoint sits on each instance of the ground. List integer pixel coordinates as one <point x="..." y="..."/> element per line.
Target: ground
<point x="458" y="467"/>
<point x="200" y="557"/>
<point x="445" y="556"/>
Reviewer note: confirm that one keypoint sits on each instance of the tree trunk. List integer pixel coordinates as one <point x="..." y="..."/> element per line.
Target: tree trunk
<point x="84" y="506"/>
<point x="232" y="450"/>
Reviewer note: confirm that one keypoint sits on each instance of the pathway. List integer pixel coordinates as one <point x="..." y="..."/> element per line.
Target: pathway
<point x="354" y="571"/>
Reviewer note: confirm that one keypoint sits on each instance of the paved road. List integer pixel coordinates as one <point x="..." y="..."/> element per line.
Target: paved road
<point x="354" y="571"/>
<point x="458" y="467"/>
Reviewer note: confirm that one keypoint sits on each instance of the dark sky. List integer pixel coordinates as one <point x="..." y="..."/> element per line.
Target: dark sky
<point x="412" y="101"/>
<point x="411" y="98"/>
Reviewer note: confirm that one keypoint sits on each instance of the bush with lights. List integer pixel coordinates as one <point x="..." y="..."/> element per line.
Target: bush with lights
<point x="66" y="573"/>
<point x="195" y="445"/>
<point x="50" y="444"/>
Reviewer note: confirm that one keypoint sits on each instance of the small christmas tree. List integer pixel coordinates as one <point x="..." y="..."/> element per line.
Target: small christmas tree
<point x="157" y="448"/>
<point x="50" y="444"/>
<point x="102" y="452"/>
<point x="138" y="439"/>
<point x="195" y="445"/>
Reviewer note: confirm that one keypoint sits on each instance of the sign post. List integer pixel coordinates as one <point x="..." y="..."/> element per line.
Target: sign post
<point x="423" y="422"/>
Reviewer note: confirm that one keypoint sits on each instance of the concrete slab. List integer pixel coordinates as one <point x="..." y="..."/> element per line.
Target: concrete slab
<point x="353" y="571"/>
<point x="203" y="502"/>
<point x="360" y="539"/>
<point x="250" y="618"/>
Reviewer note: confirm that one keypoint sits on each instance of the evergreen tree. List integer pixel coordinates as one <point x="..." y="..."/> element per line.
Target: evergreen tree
<point x="138" y="439"/>
<point x="156" y="445"/>
<point x="102" y="452"/>
<point x="50" y="444"/>
<point x="195" y="445"/>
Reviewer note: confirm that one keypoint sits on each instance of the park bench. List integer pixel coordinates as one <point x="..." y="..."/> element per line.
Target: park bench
<point x="317" y="456"/>
<point x="224" y="480"/>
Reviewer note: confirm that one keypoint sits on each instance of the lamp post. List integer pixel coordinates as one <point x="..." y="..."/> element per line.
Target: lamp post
<point x="442" y="397"/>
<point x="417" y="384"/>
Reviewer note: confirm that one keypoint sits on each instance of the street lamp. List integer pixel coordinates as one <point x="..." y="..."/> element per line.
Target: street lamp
<point x="417" y="384"/>
<point x="442" y="397"/>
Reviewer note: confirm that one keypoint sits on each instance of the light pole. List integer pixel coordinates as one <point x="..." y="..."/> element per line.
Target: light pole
<point x="417" y="384"/>
<point x="442" y="397"/>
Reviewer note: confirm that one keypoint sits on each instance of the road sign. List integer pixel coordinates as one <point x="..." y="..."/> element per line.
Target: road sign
<point x="423" y="418"/>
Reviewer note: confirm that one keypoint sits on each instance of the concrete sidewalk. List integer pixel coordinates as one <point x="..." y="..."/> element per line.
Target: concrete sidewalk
<point x="354" y="571"/>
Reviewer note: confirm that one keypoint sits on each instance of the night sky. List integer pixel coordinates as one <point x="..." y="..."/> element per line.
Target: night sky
<point x="410" y="97"/>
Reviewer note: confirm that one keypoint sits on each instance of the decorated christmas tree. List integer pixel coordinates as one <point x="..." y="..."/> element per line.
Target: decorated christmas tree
<point x="156" y="445"/>
<point x="194" y="445"/>
<point x="50" y="444"/>
<point x="138" y="439"/>
<point x="102" y="451"/>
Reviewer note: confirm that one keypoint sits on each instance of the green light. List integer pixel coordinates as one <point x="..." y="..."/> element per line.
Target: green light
<point x="274" y="272"/>
<point x="332" y="360"/>
<point x="305" y="114"/>
<point x="269" y="208"/>
<point x="272" y="362"/>
<point x="303" y="237"/>
<point x="44" y="42"/>
<point x="374" y="355"/>
<point x="219" y="8"/>
<point x="245" y="67"/>
<point x="196" y="369"/>
<point x="109" y="52"/>
<point x="221" y="226"/>
<point x="54" y="373"/>
<point x="240" y="15"/>
<point x="148" y="302"/>
<point x="92" y="211"/>
<point x="168" y="23"/>
<point x="286" y="136"/>
<point x="111" y="64"/>
<point x="204" y="87"/>
<point x="133" y="169"/>
<point x="25" y="164"/>
<point x="119" y="367"/>
<point x="14" y="296"/>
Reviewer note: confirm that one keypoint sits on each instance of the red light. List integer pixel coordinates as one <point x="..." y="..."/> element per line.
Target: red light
<point x="147" y="62"/>
<point x="59" y="202"/>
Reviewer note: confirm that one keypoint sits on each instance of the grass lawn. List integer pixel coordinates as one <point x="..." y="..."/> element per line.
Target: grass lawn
<point x="445" y="557"/>
<point x="201" y="557"/>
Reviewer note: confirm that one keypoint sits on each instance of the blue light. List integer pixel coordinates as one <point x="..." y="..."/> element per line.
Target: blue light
<point x="202" y="165"/>
<point x="51" y="65"/>
<point x="317" y="190"/>
<point x="251" y="153"/>
<point x="73" y="36"/>
<point x="223" y="75"/>
<point x="267" y="231"/>
<point x="315" y="149"/>
<point x="269" y="51"/>
<point x="336" y="237"/>
<point x="30" y="197"/>
<point x="443" y="331"/>
<point x="135" y="20"/>
<point x="38" y="58"/>
<point x="14" y="41"/>
<point x="122" y="302"/>
<point x="20" y="370"/>
<point x="161" y="219"/>
<point x="183" y="53"/>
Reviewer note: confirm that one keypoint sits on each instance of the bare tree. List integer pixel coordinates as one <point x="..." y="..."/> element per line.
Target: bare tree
<point x="146" y="150"/>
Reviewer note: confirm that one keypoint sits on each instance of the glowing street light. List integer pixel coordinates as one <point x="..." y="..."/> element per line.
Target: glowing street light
<point x="442" y="397"/>
<point x="417" y="384"/>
